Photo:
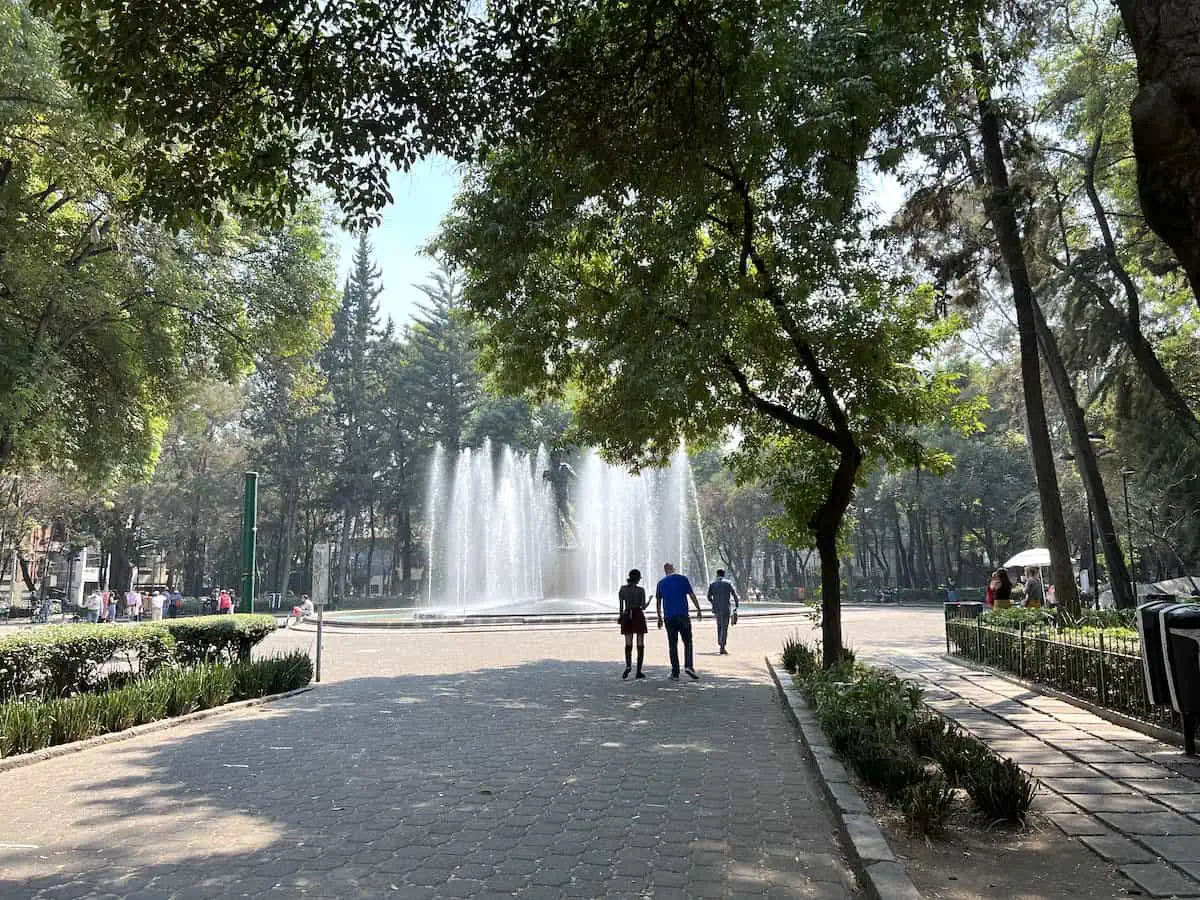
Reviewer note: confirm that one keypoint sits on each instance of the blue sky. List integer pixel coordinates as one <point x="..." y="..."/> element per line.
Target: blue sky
<point x="421" y="198"/>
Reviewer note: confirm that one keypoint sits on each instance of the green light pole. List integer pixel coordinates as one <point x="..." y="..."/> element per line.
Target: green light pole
<point x="249" y="542"/>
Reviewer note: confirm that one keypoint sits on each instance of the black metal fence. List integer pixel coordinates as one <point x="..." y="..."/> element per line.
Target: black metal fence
<point x="1102" y="668"/>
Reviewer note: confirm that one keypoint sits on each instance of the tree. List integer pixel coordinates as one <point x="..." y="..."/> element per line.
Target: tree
<point x="734" y="520"/>
<point x="443" y="359"/>
<point x="1166" y="122"/>
<point x="244" y="104"/>
<point x="106" y="320"/>
<point x="352" y="366"/>
<point x="676" y="239"/>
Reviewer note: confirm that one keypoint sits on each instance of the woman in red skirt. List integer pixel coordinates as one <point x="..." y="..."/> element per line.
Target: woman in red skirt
<point x="633" y="602"/>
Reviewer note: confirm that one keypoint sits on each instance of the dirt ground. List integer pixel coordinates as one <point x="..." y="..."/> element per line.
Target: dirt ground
<point x="973" y="861"/>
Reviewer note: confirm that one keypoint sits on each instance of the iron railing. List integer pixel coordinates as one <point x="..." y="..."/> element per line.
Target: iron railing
<point x="1097" y="666"/>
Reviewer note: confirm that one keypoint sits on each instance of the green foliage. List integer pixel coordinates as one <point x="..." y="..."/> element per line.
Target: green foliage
<point x="927" y="805"/>
<point x="916" y="757"/>
<point x="28" y="725"/>
<point x="1001" y="790"/>
<point x="61" y="660"/>
<point x="798" y="657"/>
<point x="106" y="318"/>
<point x="221" y="638"/>
<point x="68" y="659"/>
<point x="273" y="675"/>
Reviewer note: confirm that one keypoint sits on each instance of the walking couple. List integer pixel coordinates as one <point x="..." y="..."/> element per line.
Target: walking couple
<point x="671" y="603"/>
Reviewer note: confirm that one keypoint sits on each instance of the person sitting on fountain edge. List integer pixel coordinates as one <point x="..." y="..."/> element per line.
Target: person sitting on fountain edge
<point x="671" y="596"/>
<point x="632" y="601"/>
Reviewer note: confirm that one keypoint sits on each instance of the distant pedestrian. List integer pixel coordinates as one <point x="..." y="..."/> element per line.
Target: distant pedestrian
<point x="110" y="607"/>
<point x="174" y="604"/>
<point x="724" y="600"/>
<point x="632" y="603"/>
<point x="157" y="601"/>
<point x="951" y="591"/>
<point x="93" y="603"/>
<point x="1004" y="588"/>
<point x="224" y="602"/>
<point x="1035" y="595"/>
<point x="671" y="598"/>
<point x="133" y="606"/>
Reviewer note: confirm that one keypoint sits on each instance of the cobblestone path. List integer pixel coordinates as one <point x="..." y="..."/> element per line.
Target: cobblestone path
<point x="434" y="765"/>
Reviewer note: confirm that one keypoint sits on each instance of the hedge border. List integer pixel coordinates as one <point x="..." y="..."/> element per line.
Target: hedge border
<point x="881" y="875"/>
<point x="8" y="763"/>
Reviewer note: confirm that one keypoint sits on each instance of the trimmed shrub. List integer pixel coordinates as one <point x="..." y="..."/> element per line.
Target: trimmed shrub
<point x="228" y="638"/>
<point x="67" y="659"/>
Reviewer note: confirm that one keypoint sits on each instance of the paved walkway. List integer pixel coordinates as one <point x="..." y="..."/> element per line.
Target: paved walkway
<point x="435" y="765"/>
<point x="1128" y="797"/>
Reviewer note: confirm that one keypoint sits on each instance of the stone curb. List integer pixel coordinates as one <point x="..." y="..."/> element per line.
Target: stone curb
<point x="9" y="763"/>
<point x="879" y="872"/>
<point x="1165" y="735"/>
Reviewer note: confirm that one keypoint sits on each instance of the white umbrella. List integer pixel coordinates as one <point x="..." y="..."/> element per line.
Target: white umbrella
<point x="1038" y="557"/>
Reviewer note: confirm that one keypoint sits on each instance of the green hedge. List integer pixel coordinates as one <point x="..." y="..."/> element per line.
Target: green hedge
<point x="28" y="725"/>
<point x="61" y="660"/>
<point x="226" y="638"/>
<point x="68" y="659"/>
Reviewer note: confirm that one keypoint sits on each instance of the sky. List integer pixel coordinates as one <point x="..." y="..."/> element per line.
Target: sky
<point x="422" y="197"/>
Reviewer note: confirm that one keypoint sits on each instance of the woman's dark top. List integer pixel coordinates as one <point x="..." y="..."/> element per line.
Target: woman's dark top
<point x="632" y="596"/>
<point x="1004" y="591"/>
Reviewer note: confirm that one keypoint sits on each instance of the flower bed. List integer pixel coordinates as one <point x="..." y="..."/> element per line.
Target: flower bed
<point x="878" y="724"/>
<point x="61" y="660"/>
<point x="28" y="725"/>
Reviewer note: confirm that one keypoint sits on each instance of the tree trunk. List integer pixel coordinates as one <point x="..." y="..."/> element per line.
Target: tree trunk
<point x="288" y="540"/>
<point x="826" y="525"/>
<point x="370" y="546"/>
<point x="1089" y="470"/>
<point x="1165" y="119"/>
<point x="1004" y="221"/>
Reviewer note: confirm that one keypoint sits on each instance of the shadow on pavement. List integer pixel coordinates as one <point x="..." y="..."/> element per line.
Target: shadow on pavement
<point x="542" y="779"/>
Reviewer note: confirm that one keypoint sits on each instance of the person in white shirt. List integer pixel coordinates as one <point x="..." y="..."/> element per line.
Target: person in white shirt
<point x="93" y="604"/>
<point x="133" y="606"/>
<point x="157" y="600"/>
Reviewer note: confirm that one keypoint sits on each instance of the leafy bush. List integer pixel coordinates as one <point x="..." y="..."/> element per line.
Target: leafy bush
<point x="1001" y="790"/>
<point x="227" y="638"/>
<point x="28" y="725"/>
<point x="272" y="676"/>
<point x="886" y="765"/>
<point x="927" y="805"/>
<point x="67" y="659"/>
<point x="798" y="657"/>
<point x="878" y="724"/>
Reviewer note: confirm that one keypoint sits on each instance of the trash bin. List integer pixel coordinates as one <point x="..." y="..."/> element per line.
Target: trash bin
<point x="962" y="609"/>
<point x="1170" y="635"/>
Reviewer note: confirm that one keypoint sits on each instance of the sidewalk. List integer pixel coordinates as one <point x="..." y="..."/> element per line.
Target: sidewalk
<point x="1131" y="799"/>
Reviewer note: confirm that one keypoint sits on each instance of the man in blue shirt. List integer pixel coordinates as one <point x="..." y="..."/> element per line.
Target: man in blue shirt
<point x="671" y="597"/>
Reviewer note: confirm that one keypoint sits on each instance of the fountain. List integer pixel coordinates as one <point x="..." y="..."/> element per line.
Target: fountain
<point x="512" y="532"/>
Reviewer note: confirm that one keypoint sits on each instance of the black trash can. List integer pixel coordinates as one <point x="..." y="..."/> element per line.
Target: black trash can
<point x="1170" y="634"/>
<point x="1154" y="661"/>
